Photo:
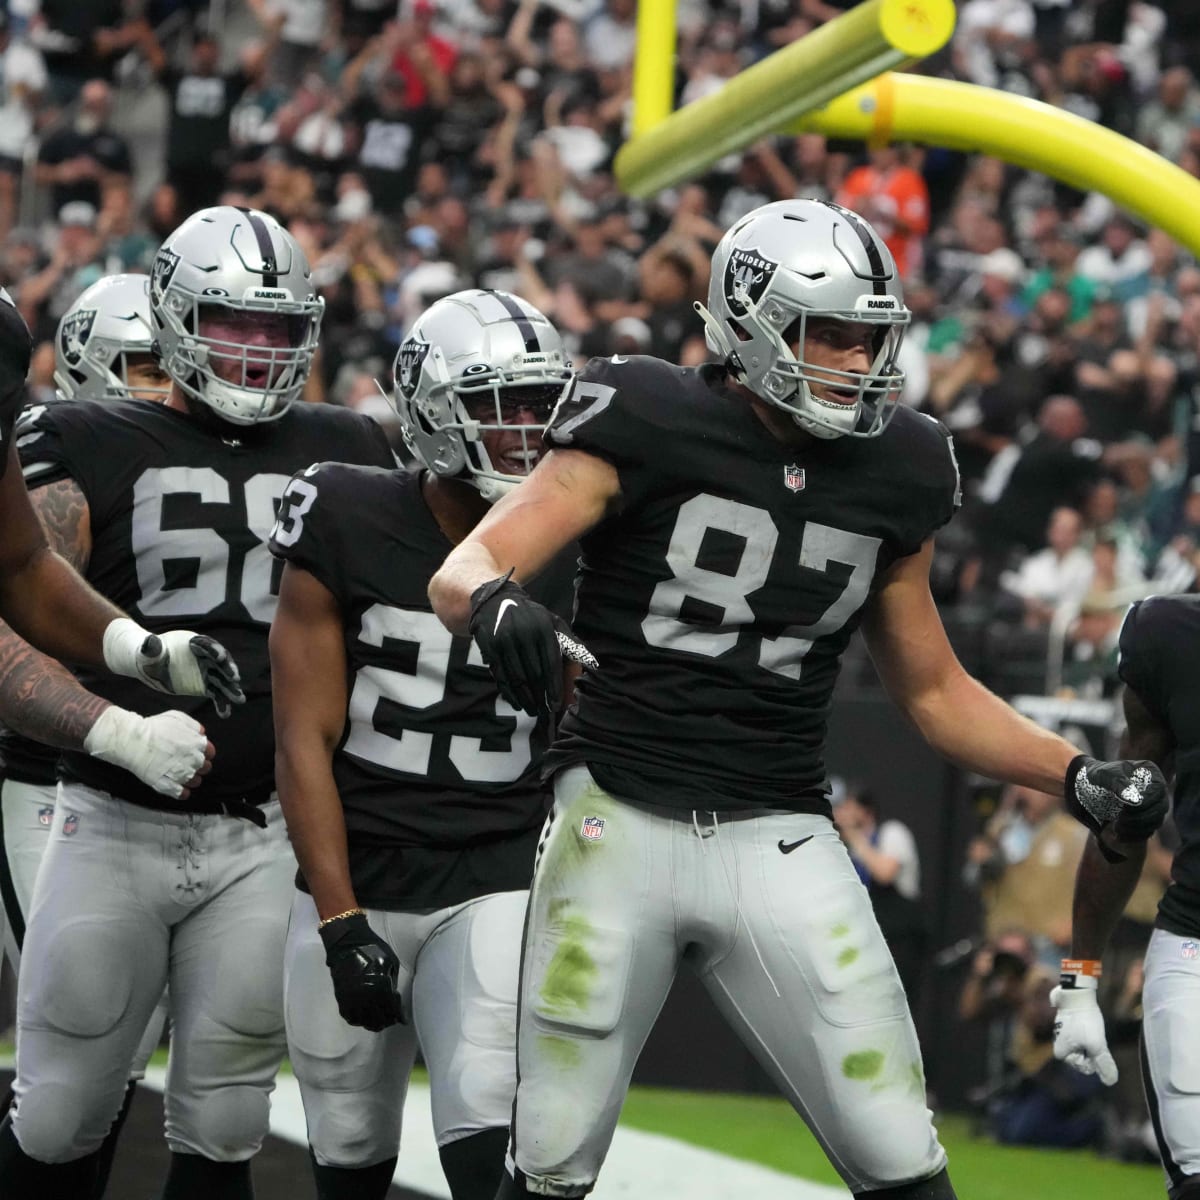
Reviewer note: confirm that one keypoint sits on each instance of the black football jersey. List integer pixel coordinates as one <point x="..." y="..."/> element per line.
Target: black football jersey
<point x="1159" y="647"/>
<point x="181" y="508"/>
<point x="433" y="764"/>
<point x="720" y="597"/>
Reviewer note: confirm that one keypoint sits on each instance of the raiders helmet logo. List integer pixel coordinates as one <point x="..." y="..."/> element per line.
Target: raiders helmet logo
<point x="408" y="365"/>
<point x="76" y="329"/>
<point x="747" y="274"/>
<point x="165" y="263"/>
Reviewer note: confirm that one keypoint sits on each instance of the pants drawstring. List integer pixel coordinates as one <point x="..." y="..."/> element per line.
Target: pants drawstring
<point x="739" y="915"/>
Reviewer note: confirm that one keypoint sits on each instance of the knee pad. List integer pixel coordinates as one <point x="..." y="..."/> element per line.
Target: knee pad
<point x="52" y="1126"/>
<point x="81" y="982"/>
<point x="225" y="1125"/>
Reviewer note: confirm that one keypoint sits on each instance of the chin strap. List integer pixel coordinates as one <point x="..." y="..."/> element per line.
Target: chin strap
<point x="718" y="340"/>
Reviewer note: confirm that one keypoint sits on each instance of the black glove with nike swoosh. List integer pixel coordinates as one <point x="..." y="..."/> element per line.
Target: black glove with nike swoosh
<point x="524" y="643"/>
<point x="1127" y="799"/>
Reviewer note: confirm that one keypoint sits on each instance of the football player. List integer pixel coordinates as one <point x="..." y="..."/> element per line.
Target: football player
<point x="104" y="347"/>
<point x="410" y="787"/>
<point x="55" y="610"/>
<point x="103" y="351"/>
<point x="739" y="521"/>
<point x="167" y="508"/>
<point x="1159" y="642"/>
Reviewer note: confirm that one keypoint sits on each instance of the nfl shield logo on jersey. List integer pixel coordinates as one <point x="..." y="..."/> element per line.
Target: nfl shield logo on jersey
<point x="1190" y="949"/>
<point x="793" y="476"/>
<point x="45" y="816"/>
<point x="593" y="828"/>
<point x="70" y="824"/>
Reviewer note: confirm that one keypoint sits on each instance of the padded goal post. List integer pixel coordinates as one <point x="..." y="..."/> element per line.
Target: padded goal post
<point x="667" y="147"/>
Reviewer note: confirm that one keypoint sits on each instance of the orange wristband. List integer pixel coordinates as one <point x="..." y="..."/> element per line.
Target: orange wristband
<point x="1083" y="966"/>
<point x="1082" y="974"/>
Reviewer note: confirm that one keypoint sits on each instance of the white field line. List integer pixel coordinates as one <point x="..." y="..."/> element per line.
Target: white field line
<point x="639" y="1164"/>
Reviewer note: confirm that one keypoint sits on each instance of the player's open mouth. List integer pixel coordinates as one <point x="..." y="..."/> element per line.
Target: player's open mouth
<point x="518" y="462"/>
<point x="843" y="397"/>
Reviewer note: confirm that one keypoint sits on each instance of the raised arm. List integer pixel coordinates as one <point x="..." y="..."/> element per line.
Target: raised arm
<point x="568" y="492"/>
<point x="477" y="590"/>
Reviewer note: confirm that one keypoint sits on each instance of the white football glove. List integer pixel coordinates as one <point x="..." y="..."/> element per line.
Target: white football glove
<point x="179" y="662"/>
<point x="1079" y="1033"/>
<point x="165" y="751"/>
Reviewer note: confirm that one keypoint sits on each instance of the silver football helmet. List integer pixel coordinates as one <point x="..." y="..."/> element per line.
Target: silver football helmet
<point x="96" y="337"/>
<point x="776" y="269"/>
<point x="469" y="363"/>
<point x="236" y="264"/>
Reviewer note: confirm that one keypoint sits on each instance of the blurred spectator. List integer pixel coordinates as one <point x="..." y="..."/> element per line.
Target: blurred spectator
<point x="1024" y="485"/>
<point x="893" y="197"/>
<point x="610" y="36"/>
<point x="84" y="156"/>
<point x="300" y="26"/>
<point x="992" y="39"/>
<point x="884" y="854"/>
<point x="423" y="59"/>
<point x="23" y="75"/>
<point x="74" y="265"/>
<point x="201" y="99"/>
<point x="1024" y="865"/>
<point x="1164" y="123"/>
<point x="253" y="124"/>
<point x="982" y="397"/>
<point x="393" y="132"/>
<point x="1054" y="578"/>
<point x="1120" y="263"/>
<point x="84" y="40"/>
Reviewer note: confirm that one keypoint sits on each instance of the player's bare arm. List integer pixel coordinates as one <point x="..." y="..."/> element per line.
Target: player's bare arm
<point x="954" y="712"/>
<point x="41" y="597"/>
<point x="567" y="493"/>
<point x="1103" y="887"/>
<point x="41" y="699"/>
<point x="308" y="672"/>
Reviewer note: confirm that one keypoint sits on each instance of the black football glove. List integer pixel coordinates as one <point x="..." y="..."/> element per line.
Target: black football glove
<point x="524" y="643"/>
<point x="1127" y="798"/>
<point x="365" y="972"/>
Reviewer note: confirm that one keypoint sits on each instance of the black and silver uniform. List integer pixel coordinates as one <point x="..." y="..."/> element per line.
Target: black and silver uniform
<point x="721" y="595"/>
<point x="180" y="508"/>
<point x="438" y="776"/>
<point x="1160" y="647"/>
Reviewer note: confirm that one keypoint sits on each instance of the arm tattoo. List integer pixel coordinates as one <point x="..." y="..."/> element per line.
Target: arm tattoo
<point x="63" y="511"/>
<point x="39" y="697"/>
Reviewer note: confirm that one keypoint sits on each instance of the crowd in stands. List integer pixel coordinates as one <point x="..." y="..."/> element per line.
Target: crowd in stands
<point x="420" y="148"/>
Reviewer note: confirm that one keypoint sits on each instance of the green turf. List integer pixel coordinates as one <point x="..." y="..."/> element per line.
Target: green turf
<point x="765" y="1130"/>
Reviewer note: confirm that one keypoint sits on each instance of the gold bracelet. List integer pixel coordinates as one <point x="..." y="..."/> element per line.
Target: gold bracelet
<point x="350" y="912"/>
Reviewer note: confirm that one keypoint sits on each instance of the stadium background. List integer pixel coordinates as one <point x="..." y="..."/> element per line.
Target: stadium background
<point x="446" y="143"/>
